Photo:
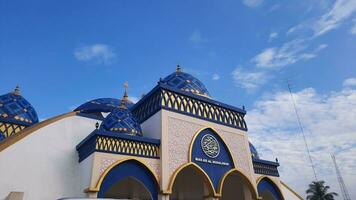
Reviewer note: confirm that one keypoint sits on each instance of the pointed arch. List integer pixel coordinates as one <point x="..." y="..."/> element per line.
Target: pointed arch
<point x="217" y="133"/>
<point x="200" y="171"/>
<point x="266" y="183"/>
<point x="122" y="169"/>
<point x="245" y="179"/>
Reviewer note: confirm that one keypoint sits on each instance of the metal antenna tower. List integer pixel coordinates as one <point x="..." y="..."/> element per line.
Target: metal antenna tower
<point x="345" y="193"/>
<point x="302" y="130"/>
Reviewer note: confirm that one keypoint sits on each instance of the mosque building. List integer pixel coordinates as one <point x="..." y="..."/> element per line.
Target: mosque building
<point x="175" y="143"/>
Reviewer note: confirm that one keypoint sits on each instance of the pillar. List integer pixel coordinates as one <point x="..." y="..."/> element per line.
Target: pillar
<point x="163" y="197"/>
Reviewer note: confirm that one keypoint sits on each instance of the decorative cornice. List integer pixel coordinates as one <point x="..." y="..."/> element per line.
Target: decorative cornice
<point x="117" y="143"/>
<point x="265" y="167"/>
<point x="168" y="98"/>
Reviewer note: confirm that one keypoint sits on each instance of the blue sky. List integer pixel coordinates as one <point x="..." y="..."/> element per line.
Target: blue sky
<point x="63" y="53"/>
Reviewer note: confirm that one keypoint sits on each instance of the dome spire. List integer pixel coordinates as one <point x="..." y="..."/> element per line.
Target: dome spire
<point x="179" y="68"/>
<point x="17" y="90"/>
<point x="125" y="98"/>
<point x="126" y="86"/>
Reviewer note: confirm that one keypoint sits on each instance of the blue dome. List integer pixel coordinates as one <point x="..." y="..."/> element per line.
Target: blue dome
<point x="101" y="105"/>
<point x="121" y="120"/>
<point x="253" y="150"/>
<point x="186" y="82"/>
<point x="15" y="109"/>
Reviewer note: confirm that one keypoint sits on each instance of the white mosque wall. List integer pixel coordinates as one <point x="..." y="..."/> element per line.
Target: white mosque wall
<point x="86" y="171"/>
<point x="288" y="193"/>
<point x="44" y="165"/>
<point x="152" y="126"/>
<point x="177" y="133"/>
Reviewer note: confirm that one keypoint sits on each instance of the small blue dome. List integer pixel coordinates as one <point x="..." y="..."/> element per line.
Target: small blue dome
<point x="253" y="150"/>
<point x="15" y="109"/>
<point x="186" y="82"/>
<point x="102" y="105"/>
<point x="121" y="120"/>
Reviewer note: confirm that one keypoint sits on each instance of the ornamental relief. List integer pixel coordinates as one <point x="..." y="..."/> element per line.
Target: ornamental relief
<point x="236" y="143"/>
<point x="180" y="134"/>
<point x="105" y="163"/>
<point x="152" y="163"/>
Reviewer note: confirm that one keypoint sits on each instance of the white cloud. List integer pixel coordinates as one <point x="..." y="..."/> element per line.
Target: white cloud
<point x="248" y="80"/>
<point x="252" y="3"/>
<point x="321" y="47"/>
<point x="295" y="50"/>
<point x="336" y="13"/>
<point x="134" y="99"/>
<point x="340" y="11"/>
<point x="215" y="77"/>
<point x="272" y="36"/>
<point x="329" y="124"/>
<point x="196" y="37"/>
<point x="351" y="82"/>
<point x="353" y="28"/>
<point x="97" y="53"/>
<point x="289" y="53"/>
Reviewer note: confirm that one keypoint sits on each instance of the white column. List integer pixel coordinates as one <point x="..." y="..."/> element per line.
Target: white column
<point x="163" y="197"/>
<point x="15" y="196"/>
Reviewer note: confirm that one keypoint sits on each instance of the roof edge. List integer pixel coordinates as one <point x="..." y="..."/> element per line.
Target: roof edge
<point x="27" y="131"/>
<point x="291" y="190"/>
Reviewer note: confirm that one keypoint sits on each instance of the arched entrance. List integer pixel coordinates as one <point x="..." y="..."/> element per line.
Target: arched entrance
<point x="235" y="185"/>
<point x="128" y="188"/>
<point x="129" y="179"/>
<point x="268" y="190"/>
<point x="191" y="183"/>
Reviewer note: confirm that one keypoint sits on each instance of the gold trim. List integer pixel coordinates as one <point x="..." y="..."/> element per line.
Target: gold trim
<point x="196" y="167"/>
<point x="290" y="189"/>
<point x="274" y="182"/>
<point x="217" y="133"/>
<point x="102" y="176"/>
<point x="27" y="131"/>
<point x="244" y="179"/>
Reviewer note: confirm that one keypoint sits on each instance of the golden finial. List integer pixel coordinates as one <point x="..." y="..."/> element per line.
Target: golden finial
<point x="178" y="69"/>
<point x="17" y="90"/>
<point x="126" y="96"/>
<point x="122" y="104"/>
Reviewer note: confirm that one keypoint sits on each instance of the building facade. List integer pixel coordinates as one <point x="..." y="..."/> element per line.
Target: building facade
<point x="176" y="142"/>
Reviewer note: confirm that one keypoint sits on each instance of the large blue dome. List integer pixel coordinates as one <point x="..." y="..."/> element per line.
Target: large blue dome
<point x="15" y="109"/>
<point x="102" y="105"/>
<point x="186" y="82"/>
<point x="121" y="120"/>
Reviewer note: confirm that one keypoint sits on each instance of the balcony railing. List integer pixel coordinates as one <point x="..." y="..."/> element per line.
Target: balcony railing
<point x="110" y="142"/>
<point x="265" y="167"/>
